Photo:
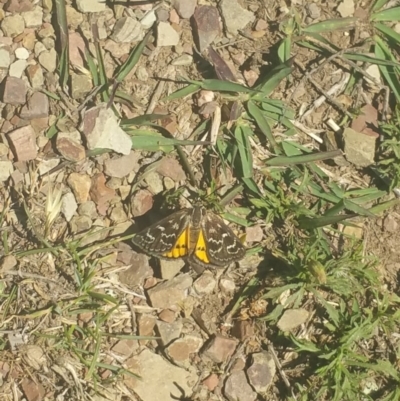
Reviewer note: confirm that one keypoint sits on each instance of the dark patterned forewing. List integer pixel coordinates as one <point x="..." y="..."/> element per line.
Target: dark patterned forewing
<point x="161" y="237"/>
<point x="223" y="246"/>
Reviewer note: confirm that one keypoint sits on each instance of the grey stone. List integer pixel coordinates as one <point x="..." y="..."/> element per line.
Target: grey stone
<point x="236" y="388"/>
<point x="292" y="318"/>
<point x="235" y="17"/>
<point x="261" y="371"/>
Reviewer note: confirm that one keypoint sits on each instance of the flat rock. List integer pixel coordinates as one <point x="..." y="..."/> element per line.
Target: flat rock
<point x="237" y="388"/>
<point x="70" y="148"/>
<point x="185" y="8"/>
<point x="88" y="208"/>
<point x="254" y="234"/>
<point x="48" y="60"/>
<point x="18" y="6"/>
<point x="261" y="371"/>
<point x="120" y="167"/>
<point x="127" y="30"/>
<point x="168" y="293"/>
<point x="220" y="348"/>
<point x="37" y="107"/>
<point x="171" y="168"/>
<point x="5" y="58"/>
<point x="6" y="169"/>
<point x="166" y="35"/>
<point x="98" y="123"/>
<point x="154" y="182"/>
<point x="81" y="85"/>
<point x="156" y="373"/>
<point x="205" y="284"/>
<point x="346" y="8"/>
<point x="17" y="68"/>
<point x="206" y="22"/>
<point x="23" y="143"/>
<point x="33" y="391"/>
<point x="35" y="76"/>
<point x="359" y="147"/>
<point x="292" y="318"/>
<point x="138" y="272"/>
<point x="14" y="91"/>
<point x="90" y="6"/>
<point x="170" y="268"/>
<point x="169" y="331"/>
<point x="80" y="223"/>
<point x="183" y="348"/>
<point x="235" y="17"/>
<point x="13" y="25"/>
<point x="33" y="18"/>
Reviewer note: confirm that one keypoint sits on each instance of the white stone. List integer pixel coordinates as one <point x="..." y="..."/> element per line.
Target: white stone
<point x="68" y="206"/>
<point x="148" y="20"/>
<point x="21" y="53"/>
<point x="346" y="8"/>
<point x="235" y="16"/>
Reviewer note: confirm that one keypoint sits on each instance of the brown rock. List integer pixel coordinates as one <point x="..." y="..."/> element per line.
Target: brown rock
<point x="206" y="22"/>
<point x="7" y="263"/>
<point x="70" y="149"/>
<point x="211" y="382"/>
<point x="220" y="348"/>
<point x="243" y="329"/>
<point x="141" y="202"/>
<point x="171" y="168"/>
<point x="37" y="107"/>
<point x="18" y="6"/>
<point x="205" y="284"/>
<point x="23" y="143"/>
<point x="99" y="192"/>
<point x="13" y="91"/>
<point x="33" y="391"/>
<point x="167" y="315"/>
<point x="80" y="185"/>
<point x="126" y="347"/>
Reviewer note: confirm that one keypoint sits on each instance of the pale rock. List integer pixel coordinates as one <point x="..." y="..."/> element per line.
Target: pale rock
<point x="120" y="167"/>
<point x="34" y="18"/>
<point x="156" y="373"/>
<point x="104" y="124"/>
<point x="23" y="143"/>
<point x="292" y="318"/>
<point x="126" y="30"/>
<point x="154" y="183"/>
<point x="17" y="68"/>
<point x="237" y="387"/>
<point x="90" y="6"/>
<point x="235" y="16"/>
<point x="21" y="53"/>
<point x="35" y="76"/>
<point x="13" y="25"/>
<point x="261" y="371"/>
<point x="45" y="165"/>
<point x="166" y="35"/>
<point x="5" y="58"/>
<point x="6" y="168"/>
<point x="346" y="8"/>
<point x="48" y="60"/>
<point x="68" y="206"/>
<point x="148" y="20"/>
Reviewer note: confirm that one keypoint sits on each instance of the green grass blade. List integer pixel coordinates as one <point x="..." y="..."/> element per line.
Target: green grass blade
<point x="132" y="60"/>
<point x="242" y="133"/>
<point x="302" y="159"/>
<point x="92" y="67"/>
<point x="271" y="81"/>
<point x="263" y="125"/>
<point x="390" y="14"/>
<point x="332" y="25"/>
<point x="180" y="93"/>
